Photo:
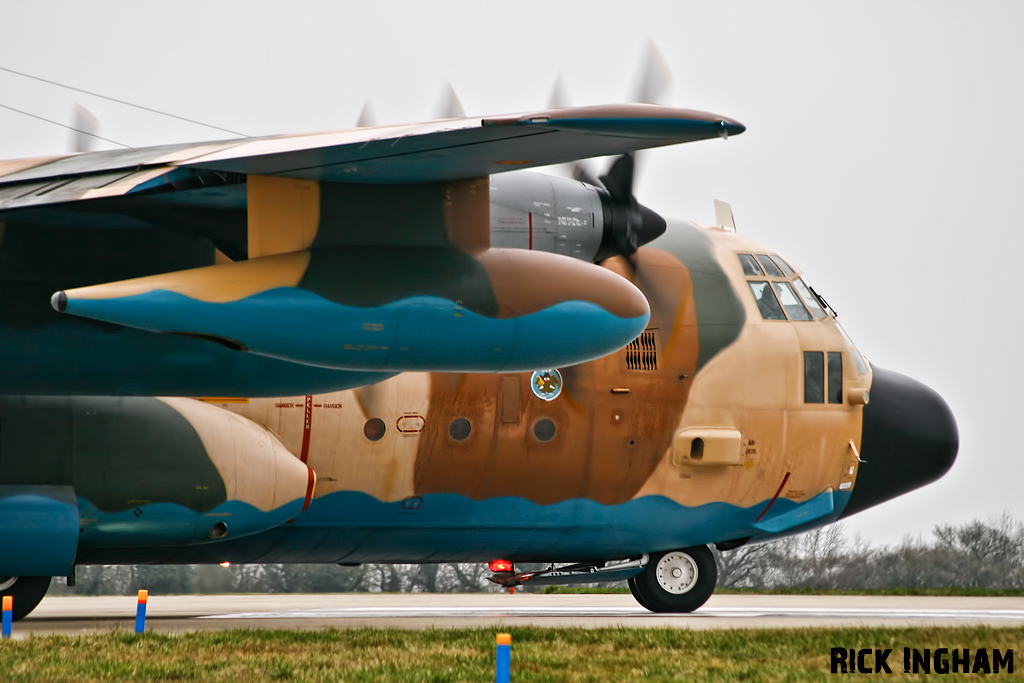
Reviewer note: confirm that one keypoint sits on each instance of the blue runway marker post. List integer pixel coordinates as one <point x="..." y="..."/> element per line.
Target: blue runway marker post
<point x="140" y="613"/>
<point x="8" y="619"/>
<point x="503" y="663"/>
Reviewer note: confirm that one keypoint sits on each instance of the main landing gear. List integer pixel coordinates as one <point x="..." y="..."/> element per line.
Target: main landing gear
<point x="671" y="581"/>
<point x="676" y="580"/>
<point x="27" y="591"/>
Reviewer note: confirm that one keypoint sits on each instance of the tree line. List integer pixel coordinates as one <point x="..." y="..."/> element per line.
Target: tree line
<point x="984" y="554"/>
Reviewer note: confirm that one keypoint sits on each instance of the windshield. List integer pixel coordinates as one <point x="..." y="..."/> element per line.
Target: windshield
<point x="862" y="366"/>
<point x="809" y="299"/>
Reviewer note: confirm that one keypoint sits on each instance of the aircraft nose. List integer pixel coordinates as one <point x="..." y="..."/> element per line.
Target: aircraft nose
<point x="909" y="439"/>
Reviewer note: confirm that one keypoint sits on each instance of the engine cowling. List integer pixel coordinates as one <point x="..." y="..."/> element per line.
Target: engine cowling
<point x="541" y="212"/>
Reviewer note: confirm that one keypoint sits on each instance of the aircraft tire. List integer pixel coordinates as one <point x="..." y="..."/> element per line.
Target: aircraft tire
<point x="676" y="580"/>
<point x="635" y="590"/>
<point x="27" y="591"/>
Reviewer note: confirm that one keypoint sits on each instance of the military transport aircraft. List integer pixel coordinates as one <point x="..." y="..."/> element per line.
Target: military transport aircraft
<point x="478" y="362"/>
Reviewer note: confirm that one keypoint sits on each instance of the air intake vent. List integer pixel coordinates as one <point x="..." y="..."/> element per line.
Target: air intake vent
<point x="642" y="353"/>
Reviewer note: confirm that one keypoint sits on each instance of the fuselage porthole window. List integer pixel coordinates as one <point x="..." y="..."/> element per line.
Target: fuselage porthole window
<point x="783" y="266"/>
<point x="794" y="309"/>
<point x="544" y="430"/>
<point x="814" y="377"/>
<point x="766" y="301"/>
<point x="750" y="266"/>
<point x="809" y="299"/>
<point x="769" y="266"/>
<point x="460" y="429"/>
<point x="835" y="377"/>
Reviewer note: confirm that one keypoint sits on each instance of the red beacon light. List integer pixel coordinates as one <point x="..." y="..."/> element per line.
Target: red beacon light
<point x="499" y="566"/>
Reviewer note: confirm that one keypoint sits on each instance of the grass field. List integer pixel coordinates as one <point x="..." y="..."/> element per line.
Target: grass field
<point x="941" y="592"/>
<point x="433" y="656"/>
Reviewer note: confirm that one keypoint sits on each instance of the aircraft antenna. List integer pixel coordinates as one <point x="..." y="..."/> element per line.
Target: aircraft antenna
<point x="64" y="125"/>
<point x="114" y="99"/>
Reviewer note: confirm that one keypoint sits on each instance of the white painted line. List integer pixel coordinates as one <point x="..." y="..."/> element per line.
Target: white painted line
<point x="717" y="612"/>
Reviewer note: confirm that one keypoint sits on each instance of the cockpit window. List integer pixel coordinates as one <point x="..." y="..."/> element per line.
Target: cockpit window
<point x="794" y="309"/>
<point x="769" y="266"/>
<point x="750" y="266"/>
<point x="809" y="299"/>
<point x="781" y="263"/>
<point x="766" y="301"/>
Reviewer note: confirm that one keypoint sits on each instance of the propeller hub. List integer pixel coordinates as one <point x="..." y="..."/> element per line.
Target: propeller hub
<point x="628" y="225"/>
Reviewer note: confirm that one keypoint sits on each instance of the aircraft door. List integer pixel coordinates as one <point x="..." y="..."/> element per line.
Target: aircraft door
<point x="825" y="430"/>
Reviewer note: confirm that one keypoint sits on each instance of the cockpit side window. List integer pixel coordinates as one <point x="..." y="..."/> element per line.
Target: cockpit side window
<point x="835" y="377"/>
<point x="769" y="266"/>
<point x="766" y="301"/>
<point x="782" y="265"/>
<point x="794" y="309"/>
<point x="814" y="377"/>
<point x="750" y="266"/>
<point x="809" y="299"/>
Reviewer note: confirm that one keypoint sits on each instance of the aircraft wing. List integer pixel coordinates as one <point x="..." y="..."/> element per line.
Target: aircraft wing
<point x="435" y="151"/>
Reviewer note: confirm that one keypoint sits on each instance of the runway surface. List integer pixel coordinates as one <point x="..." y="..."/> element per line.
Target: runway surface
<point x="179" y="613"/>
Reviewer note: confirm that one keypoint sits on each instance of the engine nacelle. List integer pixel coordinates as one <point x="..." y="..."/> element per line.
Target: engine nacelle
<point x="541" y="212"/>
<point x="546" y="213"/>
<point x="97" y="472"/>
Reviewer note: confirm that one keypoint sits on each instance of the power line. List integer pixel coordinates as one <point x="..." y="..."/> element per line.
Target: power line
<point x="64" y="125"/>
<point x="114" y="99"/>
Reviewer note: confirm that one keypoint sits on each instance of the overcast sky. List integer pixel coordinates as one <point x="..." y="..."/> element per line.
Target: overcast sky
<point x="881" y="153"/>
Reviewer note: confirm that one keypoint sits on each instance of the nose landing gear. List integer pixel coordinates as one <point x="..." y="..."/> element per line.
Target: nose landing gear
<point x="676" y="580"/>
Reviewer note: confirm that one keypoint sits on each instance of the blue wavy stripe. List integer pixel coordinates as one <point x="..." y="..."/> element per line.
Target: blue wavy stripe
<point x="350" y="526"/>
<point x="453" y="525"/>
<point x="417" y="333"/>
<point x="158" y="524"/>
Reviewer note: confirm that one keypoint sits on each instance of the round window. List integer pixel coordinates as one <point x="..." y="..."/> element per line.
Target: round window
<point x="460" y="429"/>
<point x="544" y="429"/>
<point x="374" y="429"/>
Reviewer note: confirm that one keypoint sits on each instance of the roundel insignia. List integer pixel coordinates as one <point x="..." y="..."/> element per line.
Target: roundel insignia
<point x="546" y="384"/>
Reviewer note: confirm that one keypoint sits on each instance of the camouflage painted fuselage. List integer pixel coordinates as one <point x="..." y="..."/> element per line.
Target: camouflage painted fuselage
<point x="616" y="478"/>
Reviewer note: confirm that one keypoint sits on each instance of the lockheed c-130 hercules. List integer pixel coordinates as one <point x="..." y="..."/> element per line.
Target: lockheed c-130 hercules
<point x="477" y="361"/>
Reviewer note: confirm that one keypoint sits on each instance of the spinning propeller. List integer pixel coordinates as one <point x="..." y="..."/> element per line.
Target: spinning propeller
<point x="628" y="225"/>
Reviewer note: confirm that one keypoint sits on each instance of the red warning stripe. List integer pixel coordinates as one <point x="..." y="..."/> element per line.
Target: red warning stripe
<point x="774" y="498"/>
<point x="307" y="426"/>
<point x="310" y="486"/>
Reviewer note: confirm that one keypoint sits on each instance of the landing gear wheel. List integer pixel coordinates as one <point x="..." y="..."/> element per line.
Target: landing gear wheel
<point x="635" y="590"/>
<point x="27" y="591"/>
<point x="676" y="580"/>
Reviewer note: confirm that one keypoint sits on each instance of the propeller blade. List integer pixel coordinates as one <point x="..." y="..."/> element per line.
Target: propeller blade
<point x="450" y="106"/>
<point x="87" y="126"/>
<point x="619" y="178"/>
<point x="655" y="78"/>
<point x="558" y="98"/>
<point x="582" y="173"/>
<point x="366" y="117"/>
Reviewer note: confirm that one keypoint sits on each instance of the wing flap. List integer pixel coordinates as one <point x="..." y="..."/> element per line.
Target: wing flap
<point x="75" y="188"/>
